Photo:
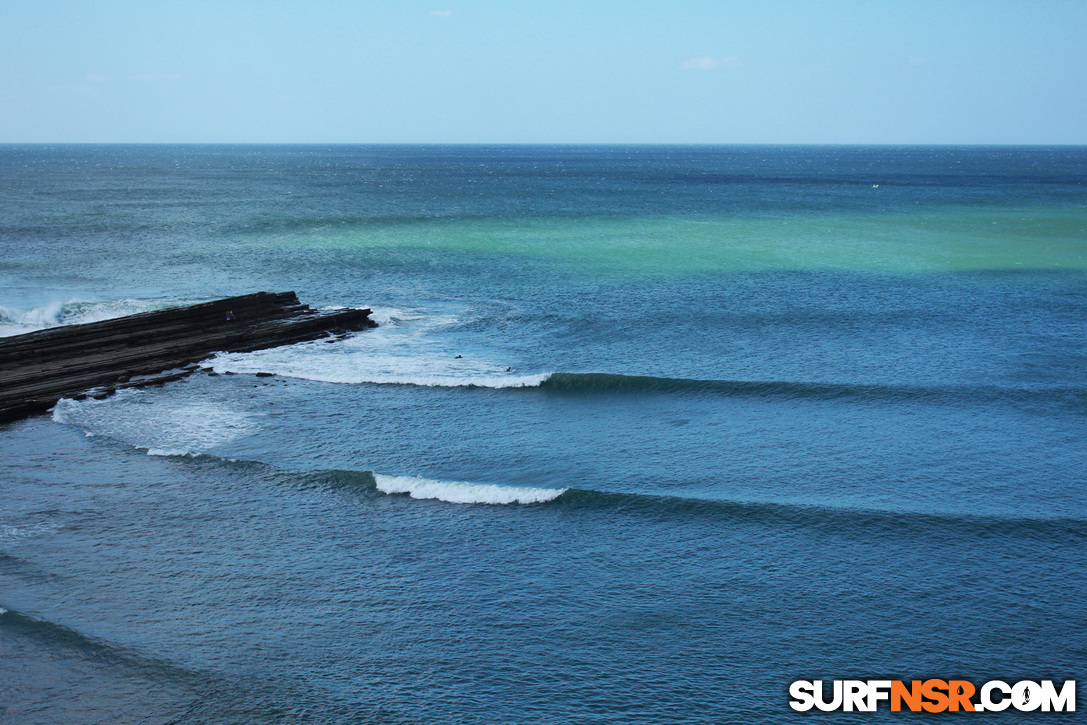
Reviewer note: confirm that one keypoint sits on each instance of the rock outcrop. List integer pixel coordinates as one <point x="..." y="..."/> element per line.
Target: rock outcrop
<point x="39" y="368"/>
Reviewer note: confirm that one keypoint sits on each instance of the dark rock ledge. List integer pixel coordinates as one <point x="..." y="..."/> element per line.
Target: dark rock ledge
<point x="39" y="368"/>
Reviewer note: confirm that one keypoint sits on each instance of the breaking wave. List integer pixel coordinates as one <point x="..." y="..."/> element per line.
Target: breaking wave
<point x="463" y="491"/>
<point x="418" y="348"/>
<point x="409" y="347"/>
<point x="16" y="320"/>
<point x="295" y="362"/>
<point x="830" y="520"/>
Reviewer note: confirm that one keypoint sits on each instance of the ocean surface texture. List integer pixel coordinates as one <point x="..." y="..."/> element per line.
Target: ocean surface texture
<point x="645" y="433"/>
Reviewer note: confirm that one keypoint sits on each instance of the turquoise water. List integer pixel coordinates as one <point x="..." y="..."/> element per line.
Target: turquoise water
<point x="645" y="433"/>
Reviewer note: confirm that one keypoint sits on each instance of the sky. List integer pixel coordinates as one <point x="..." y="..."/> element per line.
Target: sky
<point x="509" y="71"/>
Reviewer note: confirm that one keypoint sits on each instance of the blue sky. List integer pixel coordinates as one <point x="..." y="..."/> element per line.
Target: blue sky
<point x="502" y="71"/>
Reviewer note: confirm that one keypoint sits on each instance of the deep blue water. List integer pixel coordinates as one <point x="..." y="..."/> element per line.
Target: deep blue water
<point x="645" y="433"/>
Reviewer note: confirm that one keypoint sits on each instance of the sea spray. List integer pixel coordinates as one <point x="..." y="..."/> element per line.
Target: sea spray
<point x="19" y="320"/>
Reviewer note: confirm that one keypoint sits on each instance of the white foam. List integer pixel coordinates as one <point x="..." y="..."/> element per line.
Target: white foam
<point x="407" y="349"/>
<point x="14" y="320"/>
<point x="168" y="452"/>
<point x="167" y="428"/>
<point x="464" y="492"/>
<point x="399" y="316"/>
<point x="10" y="534"/>
<point x="17" y="320"/>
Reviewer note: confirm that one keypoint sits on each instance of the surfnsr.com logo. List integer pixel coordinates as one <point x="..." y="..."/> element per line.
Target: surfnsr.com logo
<point x="934" y="696"/>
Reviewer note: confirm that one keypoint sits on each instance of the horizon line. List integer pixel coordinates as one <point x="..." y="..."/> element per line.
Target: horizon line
<point x="542" y="143"/>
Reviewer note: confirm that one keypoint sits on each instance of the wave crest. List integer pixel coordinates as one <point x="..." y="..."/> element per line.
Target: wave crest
<point x="463" y="491"/>
<point x="610" y="383"/>
<point x="18" y="320"/>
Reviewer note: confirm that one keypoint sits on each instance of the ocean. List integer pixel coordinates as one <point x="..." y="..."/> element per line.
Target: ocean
<point x="645" y="433"/>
